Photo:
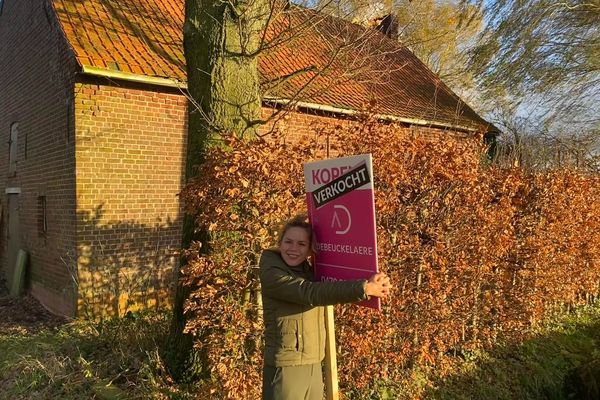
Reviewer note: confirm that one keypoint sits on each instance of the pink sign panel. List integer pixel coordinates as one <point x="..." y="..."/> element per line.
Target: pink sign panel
<point x="341" y="208"/>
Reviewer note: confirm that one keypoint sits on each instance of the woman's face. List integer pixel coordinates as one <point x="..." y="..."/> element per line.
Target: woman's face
<point x="295" y="246"/>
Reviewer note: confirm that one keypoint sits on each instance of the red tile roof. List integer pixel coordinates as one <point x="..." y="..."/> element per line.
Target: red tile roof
<point x="349" y="67"/>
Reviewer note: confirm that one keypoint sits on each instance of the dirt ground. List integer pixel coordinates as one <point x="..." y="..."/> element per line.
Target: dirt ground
<point x="24" y="315"/>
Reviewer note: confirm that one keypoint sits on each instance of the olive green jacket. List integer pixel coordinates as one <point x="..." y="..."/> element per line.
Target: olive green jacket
<point x="294" y="318"/>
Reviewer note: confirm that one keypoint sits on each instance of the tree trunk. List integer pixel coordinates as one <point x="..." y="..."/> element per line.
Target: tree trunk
<point x="221" y="44"/>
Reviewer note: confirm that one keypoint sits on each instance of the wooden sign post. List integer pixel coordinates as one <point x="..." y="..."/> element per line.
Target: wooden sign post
<point x="331" y="377"/>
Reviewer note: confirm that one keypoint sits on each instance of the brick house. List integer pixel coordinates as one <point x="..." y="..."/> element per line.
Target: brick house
<point x="93" y="120"/>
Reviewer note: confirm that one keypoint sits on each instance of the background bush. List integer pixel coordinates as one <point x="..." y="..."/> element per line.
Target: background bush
<point x="478" y="254"/>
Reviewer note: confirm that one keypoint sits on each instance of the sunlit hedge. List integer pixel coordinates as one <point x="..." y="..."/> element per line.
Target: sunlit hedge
<point x="476" y="253"/>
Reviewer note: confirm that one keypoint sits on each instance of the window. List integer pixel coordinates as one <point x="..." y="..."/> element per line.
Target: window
<point x="12" y="148"/>
<point x="1" y="4"/>
<point x="42" y="216"/>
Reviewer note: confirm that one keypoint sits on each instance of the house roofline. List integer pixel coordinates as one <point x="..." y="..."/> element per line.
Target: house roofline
<point x="384" y="117"/>
<point x="169" y="82"/>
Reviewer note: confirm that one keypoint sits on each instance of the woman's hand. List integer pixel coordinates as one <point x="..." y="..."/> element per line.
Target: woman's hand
<point x="378" y="285"/>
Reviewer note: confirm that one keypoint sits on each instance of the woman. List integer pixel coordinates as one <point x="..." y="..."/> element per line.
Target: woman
<point x="294" y="318"/>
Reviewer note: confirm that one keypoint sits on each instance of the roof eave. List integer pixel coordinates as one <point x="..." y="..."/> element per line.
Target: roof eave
<point x="131" y="77"/>
<point x="384" y="117"/>
<point x="174" y="83"/>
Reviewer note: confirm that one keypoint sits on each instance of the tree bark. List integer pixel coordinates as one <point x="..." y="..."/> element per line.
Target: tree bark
<point x="222" y="41"/>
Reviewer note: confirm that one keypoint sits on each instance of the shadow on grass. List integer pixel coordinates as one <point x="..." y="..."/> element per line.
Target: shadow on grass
<point x="83" y="360"/>
<point x="562" y="363"/>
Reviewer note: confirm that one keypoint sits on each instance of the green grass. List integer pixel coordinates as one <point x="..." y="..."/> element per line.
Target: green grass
<point x="119" y="359"/>
<point x="113" y="359"/>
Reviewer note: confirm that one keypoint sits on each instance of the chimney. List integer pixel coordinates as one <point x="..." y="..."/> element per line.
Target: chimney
<point x="387" y="25"/>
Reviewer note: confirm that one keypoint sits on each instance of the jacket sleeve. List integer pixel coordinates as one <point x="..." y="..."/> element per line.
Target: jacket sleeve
<point x="278" y="283"/>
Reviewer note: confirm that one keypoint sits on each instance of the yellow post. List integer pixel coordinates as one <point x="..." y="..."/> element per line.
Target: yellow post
<point x="331" y="376"/>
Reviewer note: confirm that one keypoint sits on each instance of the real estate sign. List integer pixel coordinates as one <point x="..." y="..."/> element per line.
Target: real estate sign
<point x="341" y="208"/>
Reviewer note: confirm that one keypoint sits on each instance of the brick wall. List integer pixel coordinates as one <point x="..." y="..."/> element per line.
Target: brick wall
<point x="36" y="92"/>
<point x="316" y="124"/>
<point x="130" y="159"/>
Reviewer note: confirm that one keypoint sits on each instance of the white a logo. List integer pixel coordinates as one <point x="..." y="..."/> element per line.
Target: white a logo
<point x="337" y="223"/>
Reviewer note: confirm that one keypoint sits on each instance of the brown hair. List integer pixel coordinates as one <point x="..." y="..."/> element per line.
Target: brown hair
<point x="299" y="221"/>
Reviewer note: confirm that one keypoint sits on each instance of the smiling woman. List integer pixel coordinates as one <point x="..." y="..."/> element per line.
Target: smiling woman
<point x="295" y="246"/>
<point x="294" y="316"/>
